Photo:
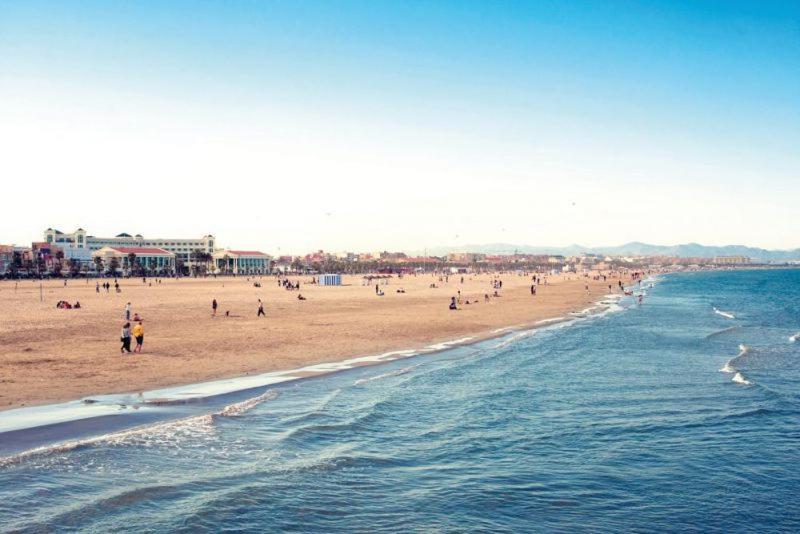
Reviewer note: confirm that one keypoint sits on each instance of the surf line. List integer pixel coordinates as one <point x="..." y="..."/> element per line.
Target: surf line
<point x="730" y="367"/>
<point x="726" y="314"/>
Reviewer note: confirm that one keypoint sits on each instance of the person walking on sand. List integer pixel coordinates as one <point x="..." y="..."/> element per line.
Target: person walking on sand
<point x="125" y="337"/>
<point x="261" y="309"/>
<point x="214" y="308"/>
<point x="128" y="311"/>
<point x="138" y="333"/>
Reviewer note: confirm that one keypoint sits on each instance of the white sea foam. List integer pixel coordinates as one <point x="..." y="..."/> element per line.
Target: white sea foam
<point x="740" y="379"/>
<point x="730" y="365"/>
<point x="551" y="320"/>
<point x="240" y="408"/>
<point x="395" y="372"/>
<point x="160" y="433"/>
<point x="728" y="315"/>
<point x="794" y="338"/>
<point x="516" y="337"/>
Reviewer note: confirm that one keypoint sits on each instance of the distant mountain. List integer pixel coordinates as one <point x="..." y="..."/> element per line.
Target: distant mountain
<point x="687" y="250"/>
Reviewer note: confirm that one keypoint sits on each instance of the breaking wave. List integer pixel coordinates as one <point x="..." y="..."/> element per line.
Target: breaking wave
<point x="739" y="378"/>
<point x="396" y="372"/>
<point x="154" y="434"/>
<point x="723" y="332"/>
<point x="730" y="366"/>
<point x="726" y="314"/>
<point x="240" y="408"/>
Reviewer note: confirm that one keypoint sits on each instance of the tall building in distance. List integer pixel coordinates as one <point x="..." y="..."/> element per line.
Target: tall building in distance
<point x="79" y="241"/>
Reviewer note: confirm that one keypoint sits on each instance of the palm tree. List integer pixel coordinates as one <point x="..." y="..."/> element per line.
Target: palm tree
<point x="200" y="258"/>
<point x="131" y="261"/>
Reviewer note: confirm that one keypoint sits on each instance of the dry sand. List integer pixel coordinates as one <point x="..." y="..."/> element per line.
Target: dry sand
<point x="49" y="355"/>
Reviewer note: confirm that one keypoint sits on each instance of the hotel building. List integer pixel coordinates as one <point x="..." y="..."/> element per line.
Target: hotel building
<point x="181" y="248"/>
<point x="152" y="259"/>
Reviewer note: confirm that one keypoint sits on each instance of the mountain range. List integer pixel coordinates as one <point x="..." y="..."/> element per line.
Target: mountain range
<point x="687" y="250"/>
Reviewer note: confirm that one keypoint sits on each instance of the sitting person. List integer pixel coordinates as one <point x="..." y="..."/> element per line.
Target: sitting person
<point x="77" y="305"/>
<point x="300" y="297"/>
<point x="136" y="317"/>
<point x="453" y="305"/>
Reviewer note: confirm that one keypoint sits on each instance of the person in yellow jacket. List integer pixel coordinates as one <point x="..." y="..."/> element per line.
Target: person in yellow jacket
<point x="138" y="334"/>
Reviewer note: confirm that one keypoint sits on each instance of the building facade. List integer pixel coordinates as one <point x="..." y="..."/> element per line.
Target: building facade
<point x="182" y="248"/>
<point x="465" y="257"/>
<point x="241" y="262"/>
<point x="150" y="259"/>
<point x="731" y="260"/>
<point x="6" y="258"/>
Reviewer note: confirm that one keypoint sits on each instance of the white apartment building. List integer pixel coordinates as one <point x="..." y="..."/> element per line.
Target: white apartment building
<point x="182" y="248"/>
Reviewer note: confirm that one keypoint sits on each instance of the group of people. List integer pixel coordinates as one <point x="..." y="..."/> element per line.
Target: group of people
<point x="107" y="287"/>
<point x="64" y="305"/>
<point x="137" y="331"/>
<point x="289" y="285"/>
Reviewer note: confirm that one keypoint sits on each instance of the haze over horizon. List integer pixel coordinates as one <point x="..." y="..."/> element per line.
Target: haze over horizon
<point x="292" y="126"/>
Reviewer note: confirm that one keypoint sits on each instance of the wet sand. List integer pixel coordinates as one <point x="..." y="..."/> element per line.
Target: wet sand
<point x="50" y="355"/>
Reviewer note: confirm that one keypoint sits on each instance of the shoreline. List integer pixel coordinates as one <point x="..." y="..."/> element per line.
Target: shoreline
<point x="47" y="426"/>
<point x="73" y="360"/>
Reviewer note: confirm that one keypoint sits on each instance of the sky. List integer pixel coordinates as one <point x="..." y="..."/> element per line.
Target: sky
<point x="290" y="126"/>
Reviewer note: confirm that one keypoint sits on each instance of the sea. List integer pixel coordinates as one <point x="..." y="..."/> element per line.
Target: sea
<point x="677" y="414"/>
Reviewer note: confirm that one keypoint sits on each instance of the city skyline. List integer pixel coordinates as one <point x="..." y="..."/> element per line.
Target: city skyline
<point x="292" y="127"/>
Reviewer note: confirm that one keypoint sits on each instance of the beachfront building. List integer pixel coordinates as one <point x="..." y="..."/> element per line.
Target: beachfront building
<point x="182" y="248"/>
<point x="6" y="258"/>
<point x="465" y="257"/>
<point x="731" y="260"/>
<point x="128" y="260"/>
<point x="241" y="262"/>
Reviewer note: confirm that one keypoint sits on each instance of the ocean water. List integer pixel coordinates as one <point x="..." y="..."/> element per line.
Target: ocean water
<point x="682" y="413"/>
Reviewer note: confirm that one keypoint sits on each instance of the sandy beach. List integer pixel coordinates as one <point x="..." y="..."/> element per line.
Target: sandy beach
<point x="50" y="355"/>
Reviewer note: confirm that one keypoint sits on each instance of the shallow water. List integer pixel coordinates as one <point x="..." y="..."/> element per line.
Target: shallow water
<point x="619" y="422"/>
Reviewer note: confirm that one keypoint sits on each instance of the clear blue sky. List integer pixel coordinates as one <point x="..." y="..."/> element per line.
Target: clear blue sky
<point x="366" y="125"/>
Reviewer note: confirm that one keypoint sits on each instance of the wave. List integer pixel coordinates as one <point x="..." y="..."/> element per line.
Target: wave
<point x="794" y="338"/>
<point x="728" y="315"/>
<point x="516" y="337"/>
<point x="739" y="378"/>
<point x="168" y="429"/>
<point x="722" y="332"/>
<point x="158" y="433"/>
<point x="240" y="408"/>
<point x="396" y="372"/>
<point x="730" y="366"/>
